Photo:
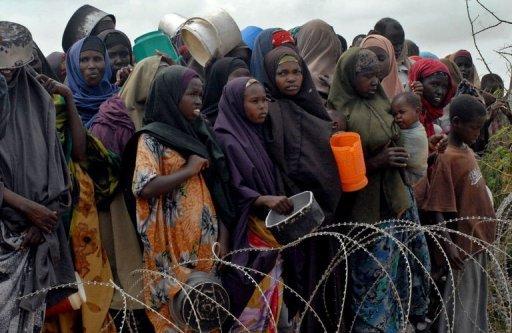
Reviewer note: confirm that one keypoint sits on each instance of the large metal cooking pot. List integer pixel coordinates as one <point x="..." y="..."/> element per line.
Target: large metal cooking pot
<point x="83" y="22"/>
<point x="306" y="217"/>
<point x="193" y="306"/>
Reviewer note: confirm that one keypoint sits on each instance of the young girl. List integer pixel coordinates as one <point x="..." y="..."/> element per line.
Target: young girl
<point x="438" y="90"/>
<point x="455" y="188"/>
<point x="297" y="136"/>
<point x="243" y="109"/>
<point x="181" y="206"/>
<point x="357" y="94"/>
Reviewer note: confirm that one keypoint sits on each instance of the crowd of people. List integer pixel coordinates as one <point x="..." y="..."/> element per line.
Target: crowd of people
<point x="110" y="167"/>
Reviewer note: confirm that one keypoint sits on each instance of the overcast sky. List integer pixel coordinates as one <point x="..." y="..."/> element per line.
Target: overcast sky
<point x="439" y="26"/>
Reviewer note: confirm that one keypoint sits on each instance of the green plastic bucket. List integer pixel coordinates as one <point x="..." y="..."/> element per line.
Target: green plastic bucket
<point x="148" y="44"/>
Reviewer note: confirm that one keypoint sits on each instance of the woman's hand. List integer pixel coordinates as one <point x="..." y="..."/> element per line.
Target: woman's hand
<point x="54" y="87"/>
<point x="33" y="237"/>
<point x="196" y="164"/>
<point x="394" y="157"/>
<point x="438" y="143"/>
<point x="280" y="204"/>
<point x="454" y="257"/>
<point x="417" y="88"/>
<point x="122" y="75"/>
<point x="40" y="216"/>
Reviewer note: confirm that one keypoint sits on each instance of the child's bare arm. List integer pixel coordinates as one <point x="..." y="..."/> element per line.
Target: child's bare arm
<point x="447" y="242"/>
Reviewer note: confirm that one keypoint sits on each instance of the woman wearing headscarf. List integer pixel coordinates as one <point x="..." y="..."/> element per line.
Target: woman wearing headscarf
<point x="88" y="74"/>
<point x="179" y="183"/>
<point x="320" y="48"/>
<point x="119" y="50"/>
<point x="242" y="112"/>
<point x="249" y="35"/>
<point x="267" y="40"/>
<point x="34" y="192"/>
<point x="455" y="74"/>
<point x="438" y="90"/>
<point x="57" y="62"/>
<point x="135" y="91"/>
<point x="217" y="76"/>
<point x="464" y="61"/>
<point x="297" y="136"/>
<point x="383" y="48"/>
<point x="357" y="94"/>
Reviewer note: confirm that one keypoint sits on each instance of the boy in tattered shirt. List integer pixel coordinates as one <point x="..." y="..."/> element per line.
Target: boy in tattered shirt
<point x="455" y="188"/>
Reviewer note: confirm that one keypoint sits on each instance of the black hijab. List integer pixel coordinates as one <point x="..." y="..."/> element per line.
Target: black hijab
<point x="216" y="78"/>
<point x="164" y="121"/>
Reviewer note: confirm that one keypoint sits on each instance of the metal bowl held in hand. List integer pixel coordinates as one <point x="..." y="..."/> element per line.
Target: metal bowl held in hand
<point x="307" y="216"/>
<point x="202" y="304"/>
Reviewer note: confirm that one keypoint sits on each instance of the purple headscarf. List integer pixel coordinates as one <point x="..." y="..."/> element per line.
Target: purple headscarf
<point x="113" y="125"/>
<point x="252" y="175"/>
<point x="88" y="99"/>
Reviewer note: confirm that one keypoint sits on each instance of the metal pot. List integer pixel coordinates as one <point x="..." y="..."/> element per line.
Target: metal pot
<point x="15" y="45"/>
<point x="190" y="308"/>
<point x="82" y="23"/>
<point x="170" y="24"/>
<point x="306" y="217"/>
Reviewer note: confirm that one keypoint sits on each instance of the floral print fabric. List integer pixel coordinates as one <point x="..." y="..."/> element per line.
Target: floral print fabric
<point x="177" y="229"/>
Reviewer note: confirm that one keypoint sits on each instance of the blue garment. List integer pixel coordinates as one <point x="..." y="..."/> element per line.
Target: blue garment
<point x="428" y="55"/>
<point x="262" y="46"/>
<point x="249" y="35"/>
<point x="374" y="305"/>
<point x="88" y="99"/>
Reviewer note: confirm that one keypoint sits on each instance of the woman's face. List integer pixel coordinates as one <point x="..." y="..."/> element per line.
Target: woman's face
<point x="255" y="103"/>
<point x="465" y="66"/>
<point x="384" y="62"/>
<point x="366" y="83"/>
<point x="289" y="78"/>
<point x="192" y="100"/>
<point x="119" y="57"/>
<point x="92" y="67"/>
<point x="435" y="89"/>
<point x="239" y="72"/>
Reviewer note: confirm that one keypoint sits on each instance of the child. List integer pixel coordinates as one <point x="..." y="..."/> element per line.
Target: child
<point x="455" y="188"/>
<point x="406" y="108"/>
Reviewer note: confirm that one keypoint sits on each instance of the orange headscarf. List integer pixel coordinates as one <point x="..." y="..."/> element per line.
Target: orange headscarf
<point x="391" y="83"/>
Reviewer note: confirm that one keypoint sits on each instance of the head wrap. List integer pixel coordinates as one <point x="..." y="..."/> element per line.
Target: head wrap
<point x="135" y="90"/>
<point x="216" y="78"/>
<point x="428" y="55"/>
<point x="419" y="71"/>
<point x="262" y="46"/>
<point x="391" y="83"/>
<point x="474" y="79"/>
<point x="55" y="59"/>
<point x="88" y="99"/>
<point x="249" y="35"/>
<point x="320" y="48"/>
<point x="308" y="97"/>
<point x="93" y="44"/>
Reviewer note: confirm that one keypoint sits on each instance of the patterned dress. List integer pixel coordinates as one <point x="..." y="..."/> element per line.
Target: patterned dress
<point x="177" y="229"/>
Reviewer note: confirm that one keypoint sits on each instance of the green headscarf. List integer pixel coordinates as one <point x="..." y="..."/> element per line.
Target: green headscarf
<point x="385" y="196"/>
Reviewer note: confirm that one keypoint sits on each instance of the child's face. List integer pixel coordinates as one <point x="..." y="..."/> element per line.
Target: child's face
<point x="465" y="66"/>
<point x="405" y="114"/>
<point x="289" y="78"/>
<point x="435" y="89"/>
<point x="467" y="132"/>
